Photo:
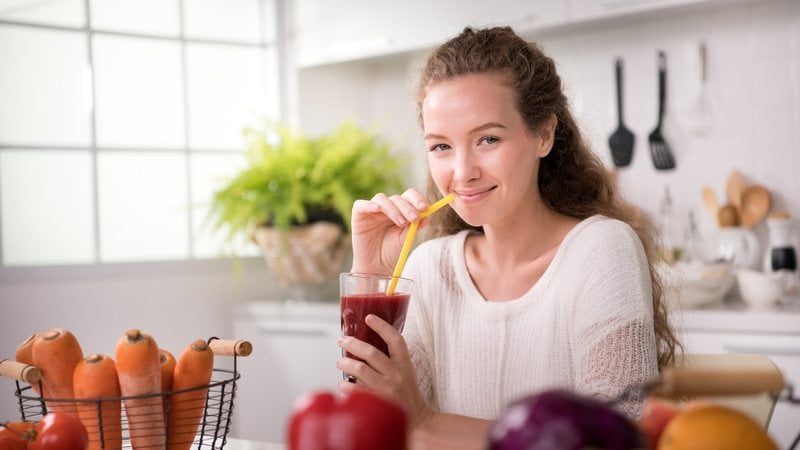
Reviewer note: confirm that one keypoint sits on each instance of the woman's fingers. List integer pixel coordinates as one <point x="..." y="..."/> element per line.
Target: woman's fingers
<point x="394" y="340"/>
<point x="413" y="197"/>
<point x="401" y="209"/>
<point x="346" y="387"/>
<point x="375" y="364"/>
<point x="390" y="209"/>
<point x="365" y="206"/>
<point x="365" y="369"/>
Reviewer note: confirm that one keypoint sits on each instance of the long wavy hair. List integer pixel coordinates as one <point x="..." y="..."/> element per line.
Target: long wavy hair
<point x="572" y="179"/>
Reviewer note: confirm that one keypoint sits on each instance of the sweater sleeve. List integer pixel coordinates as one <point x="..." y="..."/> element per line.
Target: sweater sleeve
<point x="612" y="332"/>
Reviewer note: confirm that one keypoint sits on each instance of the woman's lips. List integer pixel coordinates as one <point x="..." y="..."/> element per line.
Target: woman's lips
<point x="475" y="196"/>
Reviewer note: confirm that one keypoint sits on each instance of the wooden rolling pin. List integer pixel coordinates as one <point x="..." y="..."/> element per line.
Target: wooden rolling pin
<point x="719" y="375"/>
<point x="19" y="371"/>
<point x="228" y="347"/>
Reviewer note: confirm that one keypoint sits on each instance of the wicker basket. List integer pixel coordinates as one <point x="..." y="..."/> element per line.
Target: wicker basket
<point x="212" y="403"/>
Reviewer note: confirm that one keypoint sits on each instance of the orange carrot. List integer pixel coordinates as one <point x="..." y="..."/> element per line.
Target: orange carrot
<point x="193" y="370"/>
<point x="139" y="373"/>
<point x="24" y="354"/>
<point x="56" y="352"/>
<point x="167" y="360"/>
<point x="95" y="378"/>
<point x="167" y="368"/>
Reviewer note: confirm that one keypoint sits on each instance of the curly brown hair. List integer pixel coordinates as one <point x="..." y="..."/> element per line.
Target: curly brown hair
<point x="572" y="179"/>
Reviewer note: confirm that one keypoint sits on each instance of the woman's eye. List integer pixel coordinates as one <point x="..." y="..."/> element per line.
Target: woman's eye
<point x="490" y="140"/>
<point x="439" y="148"/>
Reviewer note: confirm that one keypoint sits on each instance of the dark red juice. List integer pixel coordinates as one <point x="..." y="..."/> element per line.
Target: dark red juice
<point x="391" y="308"/>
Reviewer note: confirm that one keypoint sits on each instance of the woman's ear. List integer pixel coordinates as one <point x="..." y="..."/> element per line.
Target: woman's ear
<point x="547" y="132"/>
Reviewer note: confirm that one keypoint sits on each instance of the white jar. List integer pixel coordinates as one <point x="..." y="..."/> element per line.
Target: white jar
<point x="780" y="253"/>
<point x="738" y="246"/>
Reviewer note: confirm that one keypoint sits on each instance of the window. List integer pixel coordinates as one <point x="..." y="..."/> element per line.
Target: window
<point x="119" y="118"/>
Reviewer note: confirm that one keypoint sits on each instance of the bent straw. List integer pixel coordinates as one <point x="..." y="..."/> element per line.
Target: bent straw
<point x="412" y="230"/>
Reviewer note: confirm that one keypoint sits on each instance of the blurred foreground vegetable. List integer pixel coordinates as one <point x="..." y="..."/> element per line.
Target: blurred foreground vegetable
<point x="561" y="420"/>
<point x="714" y="427"/>
<point x="359" y="421"/>
<point x="56" y="431"/>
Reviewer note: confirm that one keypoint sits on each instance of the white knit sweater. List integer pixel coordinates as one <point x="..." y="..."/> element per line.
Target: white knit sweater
<point x="586" y="325"/>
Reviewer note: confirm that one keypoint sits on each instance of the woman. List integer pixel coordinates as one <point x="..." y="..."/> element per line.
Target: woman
<point x="539" y="276"/>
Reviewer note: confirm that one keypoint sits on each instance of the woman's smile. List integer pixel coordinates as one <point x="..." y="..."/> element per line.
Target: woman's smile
<point x="474" y="196"/>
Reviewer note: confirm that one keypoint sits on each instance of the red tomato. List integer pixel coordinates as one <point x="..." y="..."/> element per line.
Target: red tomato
<point x="359" y="421"/>
<point x="10" y="443"/>
<point x="14" y="435"/>
<point x="60" y="431"/>
<point x="656" y="415"/>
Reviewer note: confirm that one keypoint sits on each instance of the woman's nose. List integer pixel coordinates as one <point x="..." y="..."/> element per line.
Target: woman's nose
<point x="465" y="166"/>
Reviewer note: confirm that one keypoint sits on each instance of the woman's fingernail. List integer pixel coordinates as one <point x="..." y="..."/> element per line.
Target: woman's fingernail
<point x="340" y="341"/>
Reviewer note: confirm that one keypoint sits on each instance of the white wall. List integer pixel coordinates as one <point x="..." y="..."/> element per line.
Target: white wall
<point x="753" y="83"/>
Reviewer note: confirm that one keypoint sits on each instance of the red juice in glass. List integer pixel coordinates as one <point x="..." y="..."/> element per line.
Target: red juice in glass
<point x="355" y="307"/>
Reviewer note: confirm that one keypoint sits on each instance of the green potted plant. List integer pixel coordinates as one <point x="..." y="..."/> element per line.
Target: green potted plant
<point x="295" y="194"/>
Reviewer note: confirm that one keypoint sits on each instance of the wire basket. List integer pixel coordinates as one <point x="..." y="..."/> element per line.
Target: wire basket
<point x="198" y="418"/>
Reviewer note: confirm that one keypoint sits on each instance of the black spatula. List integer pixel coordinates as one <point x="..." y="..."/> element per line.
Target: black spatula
<point x="622" y="140"/>
<point x="659" y="148"/>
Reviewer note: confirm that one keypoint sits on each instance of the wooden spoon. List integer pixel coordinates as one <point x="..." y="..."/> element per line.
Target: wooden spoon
<point x="734" y="189"/>
<point x="712" y="205"/>
<point x="728" y="216"/>
<point x="756" y="202"/>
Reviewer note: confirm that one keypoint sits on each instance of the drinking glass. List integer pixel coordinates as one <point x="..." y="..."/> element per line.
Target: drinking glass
<point x="361" y="294"/>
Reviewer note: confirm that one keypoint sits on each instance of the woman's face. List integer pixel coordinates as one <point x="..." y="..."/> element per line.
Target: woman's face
<point x="480" y="148"/>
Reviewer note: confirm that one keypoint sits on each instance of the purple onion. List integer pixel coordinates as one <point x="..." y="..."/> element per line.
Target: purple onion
<point x="562" y="420"/>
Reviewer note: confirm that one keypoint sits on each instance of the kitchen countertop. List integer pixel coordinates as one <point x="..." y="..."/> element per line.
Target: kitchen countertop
<point x="243" y="444"/>
<point x="733" y="315"/>
<point x="730" y="315"/>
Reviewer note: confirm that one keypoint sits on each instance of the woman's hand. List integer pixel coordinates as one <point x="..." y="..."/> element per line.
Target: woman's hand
<point x="378" y="228"/>
<point x="391" y="377"/>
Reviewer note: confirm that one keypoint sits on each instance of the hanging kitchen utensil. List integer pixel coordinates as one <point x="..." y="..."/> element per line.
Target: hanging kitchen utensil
<point x="700" y="115"/>
<point x="659" y="149"/>
<point x="622" y="140"/>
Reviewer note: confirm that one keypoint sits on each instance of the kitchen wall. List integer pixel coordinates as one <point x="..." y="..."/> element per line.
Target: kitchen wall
<point x="753" y="84"/>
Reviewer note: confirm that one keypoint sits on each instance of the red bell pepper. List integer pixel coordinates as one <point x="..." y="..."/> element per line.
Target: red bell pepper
<point x="361" y="420"/>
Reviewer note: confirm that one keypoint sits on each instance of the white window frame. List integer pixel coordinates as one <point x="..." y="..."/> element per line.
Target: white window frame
<point x="97" y="267"/>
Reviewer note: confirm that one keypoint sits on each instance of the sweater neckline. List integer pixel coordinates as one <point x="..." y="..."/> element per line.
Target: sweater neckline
<point x="459" y="263"/>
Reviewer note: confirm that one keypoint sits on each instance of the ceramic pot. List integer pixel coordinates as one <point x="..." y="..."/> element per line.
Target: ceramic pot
<point x="738" y="246"/>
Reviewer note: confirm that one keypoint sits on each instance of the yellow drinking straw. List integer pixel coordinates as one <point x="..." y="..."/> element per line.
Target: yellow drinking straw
<point x="412" y="230"/>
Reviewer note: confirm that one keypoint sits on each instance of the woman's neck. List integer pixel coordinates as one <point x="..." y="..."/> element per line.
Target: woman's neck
<point x="508" y="260"/>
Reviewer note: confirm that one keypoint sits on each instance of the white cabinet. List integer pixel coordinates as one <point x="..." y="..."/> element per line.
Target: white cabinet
<point x="329" y="32"/>
<point x="775" y="334"/>
<point x="294" y="351"/>
<point x="587" y="10"/>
